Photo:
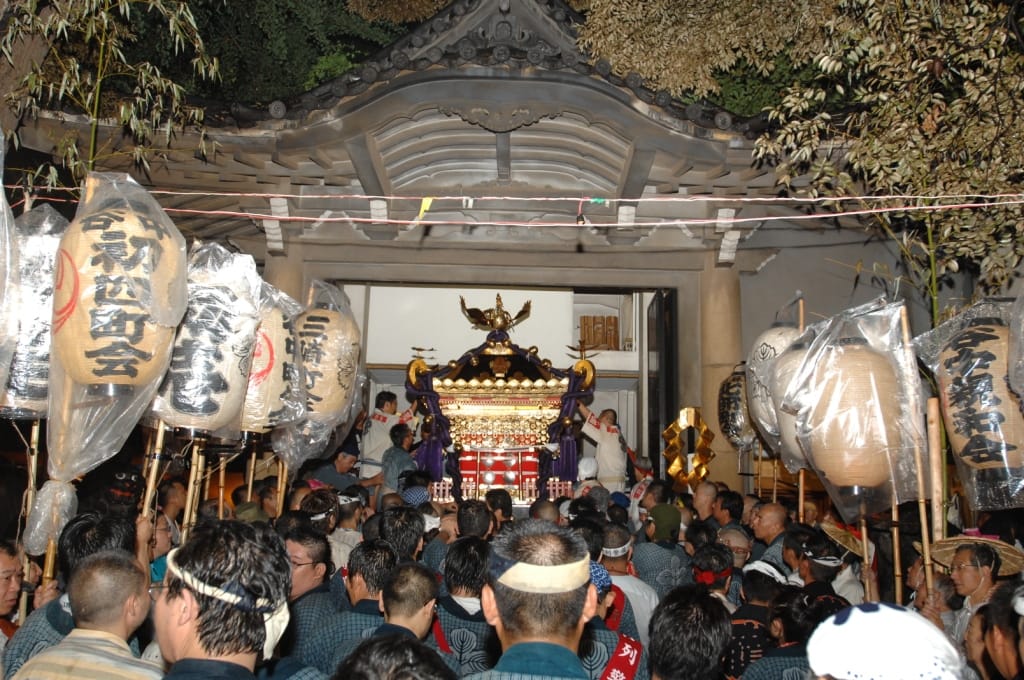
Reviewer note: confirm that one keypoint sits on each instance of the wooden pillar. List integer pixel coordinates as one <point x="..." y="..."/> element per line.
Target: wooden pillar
<point x="720" y="350"/>
<point x="287" y="271"/>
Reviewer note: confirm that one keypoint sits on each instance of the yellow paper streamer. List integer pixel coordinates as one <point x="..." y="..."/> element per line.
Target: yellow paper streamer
<point x="424" y="207"/>
<point x="676" y="452"/>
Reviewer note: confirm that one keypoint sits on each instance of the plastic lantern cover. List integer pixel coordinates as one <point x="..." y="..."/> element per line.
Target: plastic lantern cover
<point x="982" y="415"/>
<point x="8" y="279"/>
<point x="146" y="275"/>
<point x="733" y="415"/>
<point x="205" y="385"/>
<point x="786" y="366"/>
<point x="38" y="234"/>
<point x="1015" y="362"/>
<point x="329" y="344"/>
<point x="275" y="392"/>
<point x="859" y="417"/>
<point x="765" y="350"/>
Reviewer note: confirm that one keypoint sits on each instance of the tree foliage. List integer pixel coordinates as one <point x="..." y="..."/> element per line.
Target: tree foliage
<point x="87" y="71"/>
<point x="270" y="49"/>
<point x="932" y="108"/>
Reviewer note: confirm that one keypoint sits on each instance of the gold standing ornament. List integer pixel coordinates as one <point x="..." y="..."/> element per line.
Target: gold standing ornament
<point x="677" y="452"/>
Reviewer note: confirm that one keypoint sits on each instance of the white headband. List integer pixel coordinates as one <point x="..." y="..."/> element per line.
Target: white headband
<point x="543" y="579"/>
<point x="275" y="620"/>
<point x="617" y="552"/>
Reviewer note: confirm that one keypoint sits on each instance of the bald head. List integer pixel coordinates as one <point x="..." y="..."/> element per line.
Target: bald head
<point x="769" y="521"/>
<point x="704" y="499"/>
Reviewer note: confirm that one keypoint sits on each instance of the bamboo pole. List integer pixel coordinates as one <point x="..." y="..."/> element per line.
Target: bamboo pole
<point x="194" y="481"/>
<point x="897" y="567"/>
<point x="801" y="481"/>
<point x="149" y="448"/>
<point x="926" y="544"/>
<point x="755" y="452"/>
<point x="936" y="463"/>
<point x="153" y="469"/>
<point x="869" y="594"/>
<point x="220" y="489"/>
<point x="250" y="473"/>
<point x="32" y="459"/>
<point x="282" y="484"/>
<point x="775" y="480"/>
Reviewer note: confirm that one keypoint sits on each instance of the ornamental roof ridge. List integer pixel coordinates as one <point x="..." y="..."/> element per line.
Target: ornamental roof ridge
<point x="524" y="35"/>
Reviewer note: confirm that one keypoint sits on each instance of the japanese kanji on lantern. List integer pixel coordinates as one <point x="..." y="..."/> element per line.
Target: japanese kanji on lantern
<point x="329" y="344"/>
<point x="113" y="291"/>
<point x="38" y="232"/>
<point x="982" y="415"/>
<point x="274" y="392"/>
<point x="119" y="293"/>
<point x="733" y="416"/>
<point x="205" y="385"/>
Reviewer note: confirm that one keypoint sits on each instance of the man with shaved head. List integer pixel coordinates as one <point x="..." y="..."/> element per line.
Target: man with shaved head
<point x="108" y="598"/>
<point x="769" y="524"/>
<point x="538" y="597"/>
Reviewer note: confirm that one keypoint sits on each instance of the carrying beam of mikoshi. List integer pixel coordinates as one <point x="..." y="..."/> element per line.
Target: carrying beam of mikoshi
<point x="119" y="293"/>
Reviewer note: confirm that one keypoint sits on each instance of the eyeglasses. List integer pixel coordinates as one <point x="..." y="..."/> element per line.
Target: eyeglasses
<point x="154" y="591"/>
<point x="965" y="565"/>
<point x="11" y="577"/>
<point x="302" y="564"/>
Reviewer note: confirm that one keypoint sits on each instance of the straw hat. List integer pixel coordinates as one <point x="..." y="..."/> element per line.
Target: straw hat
<point x="844" y="538"/>
<point x="944" y="549"/>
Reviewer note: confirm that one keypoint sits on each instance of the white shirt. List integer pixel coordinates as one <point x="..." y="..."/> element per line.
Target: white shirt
<point x="611" y="459"/>
<point x="642" y="598"/>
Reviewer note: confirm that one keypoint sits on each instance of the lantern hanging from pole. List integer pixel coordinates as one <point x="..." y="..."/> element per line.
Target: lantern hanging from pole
<point x="39" y="232"/>
<point x="733" y="415"/>
<point x="982" y="414"/>
<point x="783" y="371"/>
<point x="329" y="343"/>
<point x="271" y="397"/>
<point x="205" y="384"/>
<point x="767" y="347"/>
<point x="854" y="426"/>
<point x="117" y="287"/>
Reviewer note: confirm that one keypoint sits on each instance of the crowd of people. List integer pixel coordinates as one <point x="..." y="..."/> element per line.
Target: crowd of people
<point x="364" y="575"/>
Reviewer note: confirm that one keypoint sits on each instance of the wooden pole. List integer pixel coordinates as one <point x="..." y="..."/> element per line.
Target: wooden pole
<point x="220" y="488"/>
<point x="194" y="482"/>
<point x="32" y="459"/>
<point x="866" y="556"/>
<point x="926" y="544"/>
<point x="936" y="462"/>
<point x="148" y="448"/>
<point x="282" y="484"/>
<point x="897" y="567"/>
<point x="801" y="481"/>
<point x="250" y="474"/>
<point x="153" y="470"/>
<point x="775" y="480"/>
<point x="50" y="563"/>
<point x="756" y="453"/>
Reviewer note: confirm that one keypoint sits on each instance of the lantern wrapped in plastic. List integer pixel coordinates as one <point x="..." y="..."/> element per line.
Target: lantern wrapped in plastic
<point x="119" y="293"/>
<point x="786" y="366"/>
<point x="8" y="281"/>
<point x="274" y="394"/>
<point x="38" y="233"/>
<point x="1015" y="361"/>
<point x="857" y="400"/>
<point x="981" y="413"/>
<point x="767" y="347"/>
<point x="733" y="416"/>
<point x="204" y="388"/>
<point x="329" y="344"/>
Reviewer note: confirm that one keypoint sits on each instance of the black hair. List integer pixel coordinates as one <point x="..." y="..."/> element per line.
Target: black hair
<point x="408" y="587"/>
<point x="402" y="527"/>
<point x="398" y="432"/>
<point x="716" y="559"/>
<point x="798" y="613"/>
<point x="592" y="532"/>
<point x="393" y="657"/>
<point x="465" y="565"/>
<point x="700" y="533"/>
<point x="248" y="560"/>
<point x="731" y="502"/>
<point x="499" y="499"/>
<point x="373" y="560"/>
<point x="473" y="518"/>
<point x="690" y="629"/>
<point x="384" y="398"/>
<point x="90" y="532"/>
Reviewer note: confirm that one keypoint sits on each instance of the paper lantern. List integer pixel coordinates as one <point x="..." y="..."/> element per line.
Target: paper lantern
<point x="115" y="267"/>
<point x="329" y="344"/>
<point x="733" y="416"/>
<point x="981" y="413"/>
<point x="38" y="232"/>
<point x="274" y="367"/>
<point x="769" y="345"/>
<point x="854" y="423"/>
<point x="785" y="367"/>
